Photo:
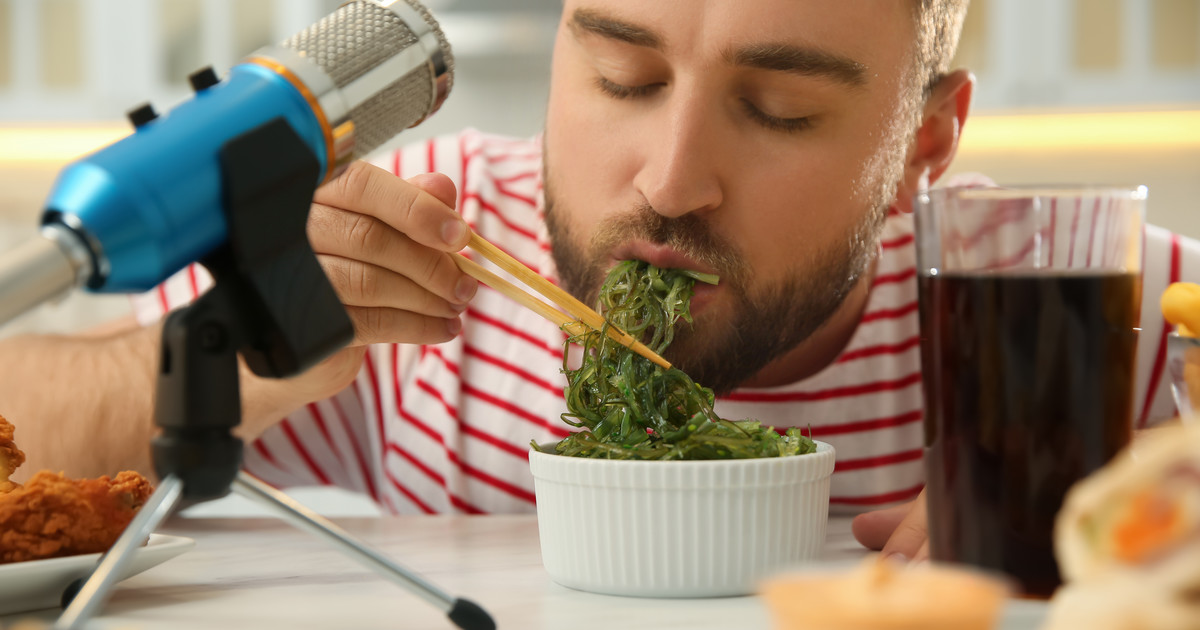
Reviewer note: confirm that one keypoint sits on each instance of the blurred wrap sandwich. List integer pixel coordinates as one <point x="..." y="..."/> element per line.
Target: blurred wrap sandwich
<point x="1128" y="539"/>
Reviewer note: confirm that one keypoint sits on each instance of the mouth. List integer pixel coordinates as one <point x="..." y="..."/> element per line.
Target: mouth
<point x="665" y="257"/>
<point x="661" y="256"/>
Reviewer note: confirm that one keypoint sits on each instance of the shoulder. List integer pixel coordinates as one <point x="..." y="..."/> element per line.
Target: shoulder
<point x="1177" y="249"/>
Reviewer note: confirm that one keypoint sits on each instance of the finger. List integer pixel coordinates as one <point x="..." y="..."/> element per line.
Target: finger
<point x="441" y="187"/>
<point x="922" y="554"/>
<point x="872" y="529"/>
<point x="386" y="325"/>
<point x="910" y="534"/>
<point x="370" y="190"/>
<point x="350" y="235"/>
<point x="362" y="284"/>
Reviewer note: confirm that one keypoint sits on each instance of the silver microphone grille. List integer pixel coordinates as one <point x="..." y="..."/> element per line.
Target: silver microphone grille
<point x="363" y="35"/>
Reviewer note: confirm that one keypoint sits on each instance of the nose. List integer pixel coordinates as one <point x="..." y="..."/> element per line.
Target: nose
<point x="680" y="169"/>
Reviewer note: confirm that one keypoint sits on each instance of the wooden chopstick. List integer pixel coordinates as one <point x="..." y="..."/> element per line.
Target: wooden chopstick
<point x="477" y="271"/>
<point x="576" y="311"/>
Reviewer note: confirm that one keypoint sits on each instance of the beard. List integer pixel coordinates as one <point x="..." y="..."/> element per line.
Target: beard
<point x="762" y="321"/>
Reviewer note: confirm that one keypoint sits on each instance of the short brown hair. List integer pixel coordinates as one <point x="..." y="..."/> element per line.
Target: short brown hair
<point x="938" y="25"/>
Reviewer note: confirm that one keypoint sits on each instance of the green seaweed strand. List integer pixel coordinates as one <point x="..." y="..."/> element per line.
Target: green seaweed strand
<point x="626" y="407"/>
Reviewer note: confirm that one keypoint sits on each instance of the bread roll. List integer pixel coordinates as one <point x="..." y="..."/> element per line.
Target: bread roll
<point x="883" y="595"/>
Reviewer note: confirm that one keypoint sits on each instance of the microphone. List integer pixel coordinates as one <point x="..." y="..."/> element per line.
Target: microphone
<point x="127" y="217"/>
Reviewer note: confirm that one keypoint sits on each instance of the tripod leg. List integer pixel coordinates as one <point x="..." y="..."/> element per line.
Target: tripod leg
<point x="112" y="566"/>
<point x="464" y="613"/>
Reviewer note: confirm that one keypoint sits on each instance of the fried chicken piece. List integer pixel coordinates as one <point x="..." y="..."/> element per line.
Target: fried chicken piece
<point x="10" y="456"/>
<point x="52" y="516"/>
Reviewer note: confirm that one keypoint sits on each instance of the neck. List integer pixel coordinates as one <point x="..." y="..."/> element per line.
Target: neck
<point x="824" y="346"/>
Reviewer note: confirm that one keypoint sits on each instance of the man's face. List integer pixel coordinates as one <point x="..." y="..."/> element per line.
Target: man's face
<point x="757" y="139"/>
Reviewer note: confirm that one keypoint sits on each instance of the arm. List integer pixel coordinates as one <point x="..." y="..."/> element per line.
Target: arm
<point x="84" y="404"/>
<point x="81" y="404"/>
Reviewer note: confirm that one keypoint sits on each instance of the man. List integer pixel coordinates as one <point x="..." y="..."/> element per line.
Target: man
<point x="777" y="143"/>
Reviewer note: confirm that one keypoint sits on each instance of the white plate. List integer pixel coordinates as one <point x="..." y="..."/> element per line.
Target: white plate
<point x="38" y="584"/>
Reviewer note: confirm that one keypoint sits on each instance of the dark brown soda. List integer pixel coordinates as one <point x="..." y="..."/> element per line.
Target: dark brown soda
<point x="1029" y="388"/>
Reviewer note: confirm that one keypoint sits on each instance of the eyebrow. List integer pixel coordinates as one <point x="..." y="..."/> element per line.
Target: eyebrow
<point x="800" y="60"/>
<point x="596" y="23"/>
<point x="778" y="57"/>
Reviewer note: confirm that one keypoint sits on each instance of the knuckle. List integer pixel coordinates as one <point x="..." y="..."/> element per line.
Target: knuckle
<point x="351" y="280"/>
<point x="363" y="280"/>
<point x="429" y="270"/>
<point x="334" y="270"/>
<point x="355" y="183"/>
<point x="913" y="530"/>
<point x="320" y="220"/>
<point x="364" y="232"/>
<point x="355" y="282"/>
<point x="410" y="210"/>
<point x="368" y="324"/>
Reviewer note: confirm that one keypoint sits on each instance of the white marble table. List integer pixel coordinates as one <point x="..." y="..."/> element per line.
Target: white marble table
<point x="263" y="574"/>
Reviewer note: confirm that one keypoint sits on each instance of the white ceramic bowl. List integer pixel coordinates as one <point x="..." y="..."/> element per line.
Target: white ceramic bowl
<point x="679" y="528"/>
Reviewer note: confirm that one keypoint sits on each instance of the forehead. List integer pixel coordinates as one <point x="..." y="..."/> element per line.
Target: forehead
<point x="877" y="33"/>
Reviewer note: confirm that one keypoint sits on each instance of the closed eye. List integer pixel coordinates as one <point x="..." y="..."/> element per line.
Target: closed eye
<point x="616" y="90"/>
<point x="775" y="123"/>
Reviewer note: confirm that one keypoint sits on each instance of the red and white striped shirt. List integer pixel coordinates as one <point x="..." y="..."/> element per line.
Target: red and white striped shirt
<point x="447" y="427"/>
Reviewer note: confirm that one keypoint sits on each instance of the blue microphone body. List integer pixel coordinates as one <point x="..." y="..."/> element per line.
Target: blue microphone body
<point x="149" y="198"/>
<point x="129" y="216"/>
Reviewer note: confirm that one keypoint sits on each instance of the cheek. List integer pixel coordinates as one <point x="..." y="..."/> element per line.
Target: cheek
<point x="587" y="162"/>
<point x="799" y="208"/>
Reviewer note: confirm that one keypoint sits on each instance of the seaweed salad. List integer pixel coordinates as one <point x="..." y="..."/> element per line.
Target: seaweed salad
<point x="626" y="407"/>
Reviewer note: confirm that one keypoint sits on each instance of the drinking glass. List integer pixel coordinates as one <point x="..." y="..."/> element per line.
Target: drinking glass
<point x="1029" y="305"/>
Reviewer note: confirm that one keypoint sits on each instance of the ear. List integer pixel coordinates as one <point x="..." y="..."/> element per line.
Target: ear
<point x="933" y="147"/>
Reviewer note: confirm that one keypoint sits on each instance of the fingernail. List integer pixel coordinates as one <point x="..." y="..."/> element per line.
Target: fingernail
<point x="897" y="558"/>
<point x="465" y="288"/>
<point x="453" y="231"/>
<point x="453" y="326"/>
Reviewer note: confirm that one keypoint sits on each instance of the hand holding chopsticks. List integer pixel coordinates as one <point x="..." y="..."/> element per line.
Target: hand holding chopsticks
<point x="578" y="316"/>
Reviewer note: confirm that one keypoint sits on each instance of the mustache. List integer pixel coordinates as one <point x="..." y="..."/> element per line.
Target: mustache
<point x="689" y="234"/>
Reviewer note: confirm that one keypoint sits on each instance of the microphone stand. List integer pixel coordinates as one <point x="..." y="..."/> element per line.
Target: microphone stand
<point x="271" y="303"/>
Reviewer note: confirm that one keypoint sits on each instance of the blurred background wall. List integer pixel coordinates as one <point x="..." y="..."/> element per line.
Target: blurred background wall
<point x="1101" y="91"/>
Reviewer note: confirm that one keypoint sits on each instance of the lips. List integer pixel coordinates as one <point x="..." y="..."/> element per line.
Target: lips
<point x="703" y="295"/>
<point x="661" y="256"/>
<point x="665" y="257"/>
